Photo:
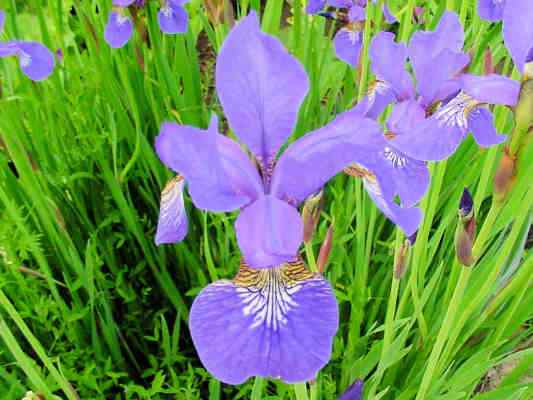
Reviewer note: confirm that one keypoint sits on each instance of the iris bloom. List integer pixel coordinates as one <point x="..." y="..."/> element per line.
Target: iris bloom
<point x="172" y="18"/>
<point x="35" y="60"/>
<point x="348" y="40"/>
<point x="455" y="102"/>
<point x="354" y="392"/>
<point x="275" y="318"/>
<point x="518" y="32"/>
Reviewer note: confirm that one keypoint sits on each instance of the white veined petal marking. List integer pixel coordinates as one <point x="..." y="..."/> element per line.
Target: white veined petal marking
<point x="166" y="10"/>
<point x="267" y="294"/>
<point x="25" y="59"/>
<point x="396" y="159"/>
<point x="456" y="112"/>
<point x="172" y="200"/>
<point x="369" y="178"/>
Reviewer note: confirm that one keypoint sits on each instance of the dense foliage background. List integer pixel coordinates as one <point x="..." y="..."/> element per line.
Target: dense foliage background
<point x="90" y="308"/>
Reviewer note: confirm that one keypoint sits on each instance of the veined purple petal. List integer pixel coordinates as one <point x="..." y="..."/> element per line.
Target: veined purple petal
<point x="348" y="44"/>
<point x="118" y="30"/>
<point x="405" y="117"/>
<point x="123" y="3"/>
<point x="173" y="18"/>
<point x="35" y="60"/>
<point x="312" y="160"/>
<point x="219" y="174"/>
<point x="491" y="10"/>
<point x="2" y="20"/>
<point x="341" y="3"/>
<point x="481" y="124"/>
<point x="388" y="63"/>
<point x="315" y="6"/>
<point x="518" y="30"/>
<point x="269" y="232"/>
<point x="172" y="225"/>
<point x="276" y="323"/>
<point x="432" y="77"/>
<point x="491" y="89"/>
<point x="261" y="87"/>
<point x="354" y="392"/>
<point x="380" y="95"/>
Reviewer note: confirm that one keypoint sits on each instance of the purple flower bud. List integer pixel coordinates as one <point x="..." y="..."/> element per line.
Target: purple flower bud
<point x="505" y="176"/>
<point x="412" y="238"/>
<point x="466" y="203"/>
<point x="354" y="392"/>
<point x="59" y="54"/>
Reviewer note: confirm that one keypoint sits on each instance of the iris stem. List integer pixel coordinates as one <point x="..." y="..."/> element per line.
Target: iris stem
<point x="300" y="390"/>
<point x="311" y="257"/>
<point x="257" y="389"/>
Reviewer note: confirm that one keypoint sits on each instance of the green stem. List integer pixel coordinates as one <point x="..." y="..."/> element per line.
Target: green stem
<point x="257" y="389"/>
<point x="311" y="257"/>
<point x="300" y="390"/>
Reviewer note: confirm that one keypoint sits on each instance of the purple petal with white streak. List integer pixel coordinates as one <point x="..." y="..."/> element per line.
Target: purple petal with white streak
<point x="35" y="60"/>
<point x="172" y="225"/>
<point x="348" y="44"/>
<point x="277" y="323"/>
<point x="173" y="18"/>
<point x="269" y="232"/>
<point x="261" y="87"/>
<point x="118" y="30"/>
<point x="123" y="3"/>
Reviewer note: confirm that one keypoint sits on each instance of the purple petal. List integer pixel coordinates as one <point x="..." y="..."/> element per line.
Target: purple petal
<point x="2" y="20"/>
<point x="9" y="49"/>
<point x="405" y="117"/>
<point x="491" y="10"/>
<point x="354" y="392"/>
<point x="172" y="225"/>
<point x="380" y="188"/>
<point x="118" y="30"/>
<point x="312" y="160"/>
<point x="389" y="18"/>
<point x="388" y="63"/>
<point x="269" y="232"/>
<point x="261" y="87"/>
<point x="379" y="96"/>
<point x="341" y="3"/>
<point x="481" y="124"/>
<point x="410" y="176"/>
<point x="356" y="13"/>
<point x="348" y="44"/>
<point x="436" y="138"/>
<point x="35" y="60"/>
<point x="491" y="89"/>
<point x="173" y="19"/>
<point x="518" y="30"/>
<point x="123" y="3"/>
<point x="315" y="6"/>
<point x="435" y="76"/>
<point x="276" y="323"/>
<point x="219" y="174"/>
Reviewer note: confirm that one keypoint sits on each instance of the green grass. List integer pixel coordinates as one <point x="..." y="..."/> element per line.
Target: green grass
<point x="90" y="308"/>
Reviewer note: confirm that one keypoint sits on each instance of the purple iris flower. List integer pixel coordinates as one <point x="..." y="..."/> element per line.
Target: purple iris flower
<point x="456" y="102"/>
<point x="172" y="18"/>
<point x="491" y="10"/>
<point x="354" y="392"/>
<point x="348" y="41"/>
<point x="35" y="60"/>
<point x="275" y="318"/>
<point x="518" y="31"/>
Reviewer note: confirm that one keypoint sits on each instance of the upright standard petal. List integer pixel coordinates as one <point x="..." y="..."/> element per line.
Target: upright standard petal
<point x="123" y="3"/>
<point x="172" y="224"/>
<point x="35" y="60"/>
<point x="269" y="232"/>
<point x="118" y="30"/>
<point x="277" y="323"/>
<point x="388" y="63"/>
<point x="312" y="160"/>
<point x="219" y="174"/>
<point x="261" y="87"/>
<point x="491" y="10"/>
<point x="481" y="125"/>
<point x="491" y="89"/>
<point x="518" y="30"/>
<point x="173" y="18"/>
<point x="389" y="18"/>
<point x="348" y="44"/>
